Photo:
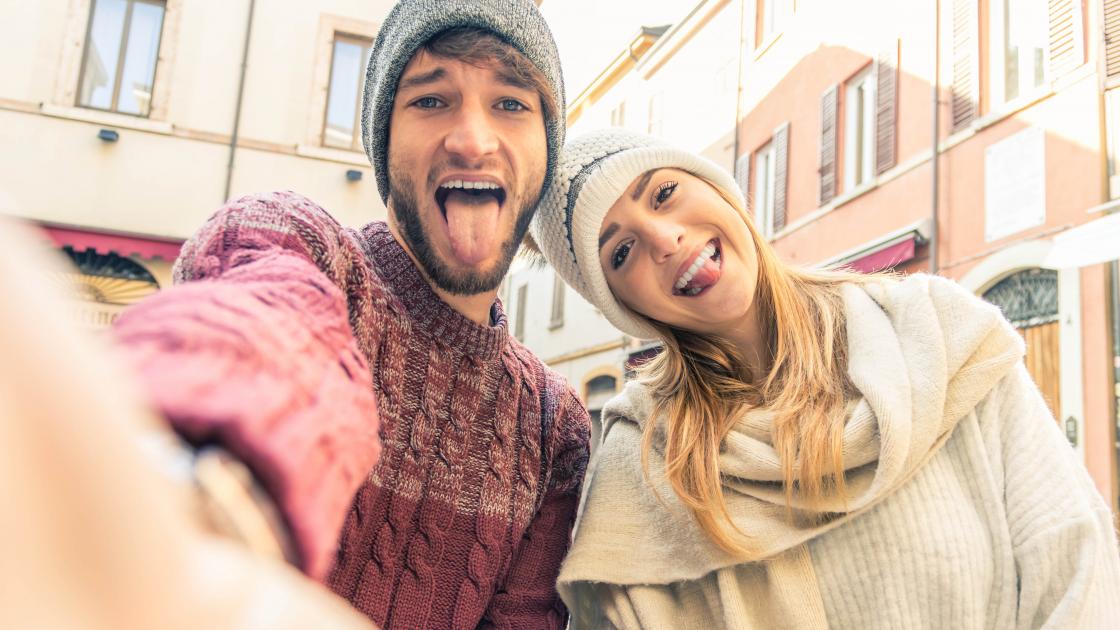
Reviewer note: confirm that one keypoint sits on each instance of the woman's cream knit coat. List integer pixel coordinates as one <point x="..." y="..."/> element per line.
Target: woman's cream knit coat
<point x="967" y="507"/>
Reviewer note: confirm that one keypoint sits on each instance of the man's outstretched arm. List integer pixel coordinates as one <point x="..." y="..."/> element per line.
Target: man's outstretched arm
<point x="262" y="348"/>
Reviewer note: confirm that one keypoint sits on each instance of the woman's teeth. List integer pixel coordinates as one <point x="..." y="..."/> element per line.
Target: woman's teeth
<point x="686" y="277"/>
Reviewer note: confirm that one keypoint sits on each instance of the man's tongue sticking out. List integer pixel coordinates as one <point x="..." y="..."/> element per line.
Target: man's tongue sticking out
<point x="472" y="220"/>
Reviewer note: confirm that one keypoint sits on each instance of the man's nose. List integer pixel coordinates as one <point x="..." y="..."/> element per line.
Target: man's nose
<point x="472" y="135"/>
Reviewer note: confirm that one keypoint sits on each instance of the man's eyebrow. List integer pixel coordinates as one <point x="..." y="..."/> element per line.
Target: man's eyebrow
<point x="642" y="183"/>
<point x="607" y="234"/>
<point x="512" y="80"/>
<point x="422" y="79"/>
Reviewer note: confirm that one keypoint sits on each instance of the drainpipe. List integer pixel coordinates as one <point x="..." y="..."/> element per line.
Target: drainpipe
<point x="934" y="236"/>
<point x="739" y="87"/>
<point x="1114" y="299"/>
<point x="240" y="97"/>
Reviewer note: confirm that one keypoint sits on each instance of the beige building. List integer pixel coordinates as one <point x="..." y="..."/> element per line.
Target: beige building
<point x="677" y="82"/>
<point x="125" y="123"/>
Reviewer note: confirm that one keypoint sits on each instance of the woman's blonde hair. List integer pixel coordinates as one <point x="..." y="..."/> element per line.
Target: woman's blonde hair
<point x="703" y="387"/>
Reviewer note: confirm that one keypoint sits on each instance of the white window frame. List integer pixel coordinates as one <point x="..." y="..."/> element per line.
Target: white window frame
<point x="559" y="289"/>
<point x="775" y="15"/>
<point x="122" y="57"/>
<point x="618" y="115"/>
<point x="356" y="138"/>
<point x="859" y="129"/>
<point x="656" y="126"/>
<point x="522" y="307"/>
<point x="998" y="35"/>
<point x="765" y="167"/>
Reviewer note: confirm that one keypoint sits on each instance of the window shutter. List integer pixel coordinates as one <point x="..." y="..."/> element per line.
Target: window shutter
<point x="781" y="176"/>
<point x="827" y="170"/>
<point x="1067" y="39"/>
<point x="966" y="92"/>
<point x="886" y="109"/>
<point x="1112" y="38"/>
<point x="743" y="173"/>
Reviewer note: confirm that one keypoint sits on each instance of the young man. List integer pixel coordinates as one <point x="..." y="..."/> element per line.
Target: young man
<point x="289" y="337"/>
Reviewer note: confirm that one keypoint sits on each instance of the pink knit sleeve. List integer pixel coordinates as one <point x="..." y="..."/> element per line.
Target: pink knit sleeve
<point x="263" y="347"/>
<point x="527" y="598"/>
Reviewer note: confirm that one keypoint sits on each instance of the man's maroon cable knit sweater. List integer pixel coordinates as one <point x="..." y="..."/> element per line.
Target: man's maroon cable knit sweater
<point x="304" y="348"/>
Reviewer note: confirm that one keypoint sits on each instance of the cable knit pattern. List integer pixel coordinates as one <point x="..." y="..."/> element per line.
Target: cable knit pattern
<point x="464" y="519"/>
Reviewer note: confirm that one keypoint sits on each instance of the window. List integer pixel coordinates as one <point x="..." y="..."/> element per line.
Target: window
<point x="765" y="169"/>
<point x="522" y="306"/>
<point x="771" y="19"/>
<point x="655" y="114"/>
<point x="597" y="392"/>
<point x="1112" y="118"/>
<point x="1020" y="36"/>
<point x="342" y="127"/>
<point x="859" y="129"/>
<point x="122" y="47"/>
<point x="618" y="115"/>
<point x="558" y="290"/>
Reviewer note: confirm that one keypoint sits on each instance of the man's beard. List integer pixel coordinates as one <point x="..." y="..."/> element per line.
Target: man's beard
<point x="406" y="210"/>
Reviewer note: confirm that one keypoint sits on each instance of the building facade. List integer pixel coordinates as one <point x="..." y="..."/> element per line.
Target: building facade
<point x="125" y="123"/>
<point x="830" y="130"/>
<point x="837" y="149"/>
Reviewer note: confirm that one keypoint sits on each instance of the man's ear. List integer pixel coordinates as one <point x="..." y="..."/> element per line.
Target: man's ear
<point x="530" y="252"/>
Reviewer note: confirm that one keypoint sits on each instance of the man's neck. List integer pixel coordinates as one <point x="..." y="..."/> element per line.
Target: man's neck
<point x="474" y="307"/>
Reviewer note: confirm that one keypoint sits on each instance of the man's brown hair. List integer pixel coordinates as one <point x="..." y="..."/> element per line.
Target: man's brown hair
<point x="479" y="47"/>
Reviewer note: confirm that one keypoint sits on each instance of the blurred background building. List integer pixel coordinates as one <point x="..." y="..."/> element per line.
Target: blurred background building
<point x="974" y="138"/>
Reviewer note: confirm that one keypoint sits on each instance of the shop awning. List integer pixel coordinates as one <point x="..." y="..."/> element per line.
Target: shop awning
<point x="885" y="258"/>
<point x="885" y="252"/>
<point x="123" y="245"/>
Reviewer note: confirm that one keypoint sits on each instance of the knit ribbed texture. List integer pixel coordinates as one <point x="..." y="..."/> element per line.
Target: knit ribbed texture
<point x="412" y="23"/>
<point x="594" y="171"/>
<point x="967" y="508"/>
<point x="465" y="518"/>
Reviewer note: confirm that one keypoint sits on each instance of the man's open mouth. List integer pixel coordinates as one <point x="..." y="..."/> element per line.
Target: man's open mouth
<point x="469" y="193"/>
<point x="702" y="273"/>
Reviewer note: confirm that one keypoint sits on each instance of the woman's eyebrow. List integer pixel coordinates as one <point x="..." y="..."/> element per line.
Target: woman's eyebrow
<point x="642" y="183"/>
<point x="607" y="234"/>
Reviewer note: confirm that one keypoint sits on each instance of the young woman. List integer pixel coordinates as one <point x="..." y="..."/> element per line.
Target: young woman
<point x="812" y="448"/>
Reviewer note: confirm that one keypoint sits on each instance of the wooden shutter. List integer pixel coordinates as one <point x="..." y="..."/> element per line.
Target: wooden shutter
<point x="966" y="71"/>
<point x="1067" y="39"/>
<point x="829" y="103"/>
<point x="1112" y="38"/>
<point x="743" y="173"/>
<point x="886" y="109"/>
<point x="781" y="176"/>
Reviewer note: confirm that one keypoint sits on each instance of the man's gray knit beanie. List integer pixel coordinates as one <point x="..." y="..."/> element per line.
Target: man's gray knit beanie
<point x="412" y="23"/>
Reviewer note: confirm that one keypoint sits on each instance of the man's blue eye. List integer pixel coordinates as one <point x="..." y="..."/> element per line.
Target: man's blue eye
<point x="510" y="105"/>
<point x="427" y="102"/>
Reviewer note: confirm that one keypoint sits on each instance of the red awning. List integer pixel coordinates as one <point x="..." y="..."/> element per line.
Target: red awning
<point x="144" y="247"/>
<point x="885" y="258"/>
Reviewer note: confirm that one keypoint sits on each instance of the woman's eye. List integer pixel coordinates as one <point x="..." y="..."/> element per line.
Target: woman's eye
<point x="427" y="102"/>
<point x="663" y="192"/>
<point x="620" y="254"/>
<point x="512" y="105"/>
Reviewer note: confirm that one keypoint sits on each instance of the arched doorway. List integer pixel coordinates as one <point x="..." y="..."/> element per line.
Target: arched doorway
<point x="103" y="285"/>
<point x="596" y="392"/>
<point x="1029" y="300"/>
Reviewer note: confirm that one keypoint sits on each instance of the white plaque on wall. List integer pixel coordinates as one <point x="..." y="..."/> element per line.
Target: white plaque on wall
<point x="1015" y="184"/>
